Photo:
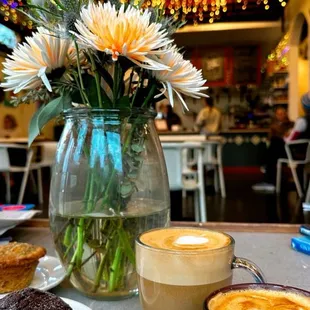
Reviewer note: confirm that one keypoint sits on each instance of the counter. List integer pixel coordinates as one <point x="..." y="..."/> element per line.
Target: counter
<point x="267" y="245"/>
<point x="241" y="147"/>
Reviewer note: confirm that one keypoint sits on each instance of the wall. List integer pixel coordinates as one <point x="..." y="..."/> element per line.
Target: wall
<point x="297" y="11"/>
<point x="303" y="72"/>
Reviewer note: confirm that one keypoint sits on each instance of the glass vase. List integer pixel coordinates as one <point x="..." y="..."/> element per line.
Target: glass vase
<point x="109" y="184"/>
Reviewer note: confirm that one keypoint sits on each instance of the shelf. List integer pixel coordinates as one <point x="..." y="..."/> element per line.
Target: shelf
<point x="280" y="103"/>
<point x="274" y="89"/>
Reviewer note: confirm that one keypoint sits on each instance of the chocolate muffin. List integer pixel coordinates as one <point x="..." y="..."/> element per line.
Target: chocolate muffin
<point x="32" y="299"/>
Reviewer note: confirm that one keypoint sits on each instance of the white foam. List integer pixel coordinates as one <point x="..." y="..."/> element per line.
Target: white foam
<point x="188" y="267"/>
<point x="191" y="240"/>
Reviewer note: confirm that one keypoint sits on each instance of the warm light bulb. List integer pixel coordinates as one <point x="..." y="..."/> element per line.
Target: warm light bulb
<point x="211" y="20"/>
<point x="283" y="3"/>
<point x="267" y="7"/>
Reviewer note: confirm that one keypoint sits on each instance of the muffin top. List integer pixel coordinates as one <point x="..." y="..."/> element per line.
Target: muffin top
<point x="32" y="299"/>
<point x="15" y="254"/>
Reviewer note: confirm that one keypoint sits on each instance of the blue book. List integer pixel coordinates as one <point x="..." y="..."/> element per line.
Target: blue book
<point x="301" y="244"/>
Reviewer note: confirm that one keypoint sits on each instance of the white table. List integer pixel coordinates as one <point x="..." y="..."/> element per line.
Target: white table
<point x="270" y="251"/>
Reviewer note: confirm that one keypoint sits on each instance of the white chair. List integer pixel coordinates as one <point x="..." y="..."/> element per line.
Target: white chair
<point x="181" y="178"/>
<point x="48" y="150"/>
<point x="213" y="159"/>
<point x="292" y="164"/>
<point x="7" y="169"/>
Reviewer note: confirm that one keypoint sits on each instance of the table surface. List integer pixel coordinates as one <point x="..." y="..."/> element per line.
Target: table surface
<point x="22" y="140"/>
<point x="270" y="251"/>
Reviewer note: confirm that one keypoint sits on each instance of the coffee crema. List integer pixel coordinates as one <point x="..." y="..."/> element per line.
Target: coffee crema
<point x="259" y="299"/>
<point x="184" y="256"/>
<point x="187" y="239"/>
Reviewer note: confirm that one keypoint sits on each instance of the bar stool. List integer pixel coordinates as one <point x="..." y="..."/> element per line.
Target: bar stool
<point x="212" y="159"/>
<point x="292" y="164"/>
<point x="181" y="178"/>
<point x="7" y="169"/>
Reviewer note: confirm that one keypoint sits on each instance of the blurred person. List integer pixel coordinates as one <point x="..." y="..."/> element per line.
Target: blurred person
<point x="209" y="118"/>
<point x="10" y="127"/>
<point x="169" y="116"/>
<point x="279" y="129"/>
<point x="301" y="129"/>
<point x="281" y="124"/>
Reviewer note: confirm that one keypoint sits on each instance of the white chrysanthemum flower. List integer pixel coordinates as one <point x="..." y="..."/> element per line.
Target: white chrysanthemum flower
<point x="183" y="78"/>
<point x="31" y="62"/>
<point x="126" y="32"/>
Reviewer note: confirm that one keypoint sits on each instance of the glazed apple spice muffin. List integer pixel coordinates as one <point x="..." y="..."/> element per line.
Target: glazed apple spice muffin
<point x="32" y="299"/>
<point x="18" y="262"/>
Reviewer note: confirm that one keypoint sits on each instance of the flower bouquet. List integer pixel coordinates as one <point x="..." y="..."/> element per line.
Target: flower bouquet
<point x="103" y="66"/>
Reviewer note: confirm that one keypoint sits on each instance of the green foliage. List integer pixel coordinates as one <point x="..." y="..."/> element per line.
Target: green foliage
<point x="45" y="114"/>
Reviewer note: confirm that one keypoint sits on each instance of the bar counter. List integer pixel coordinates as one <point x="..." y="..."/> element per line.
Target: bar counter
<point x="268" y="245"/>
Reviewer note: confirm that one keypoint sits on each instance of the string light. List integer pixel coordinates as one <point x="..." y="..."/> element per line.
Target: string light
<point x="209" y="10"/>
<point x="8" y="9"/>
<point x="278" y="56"/>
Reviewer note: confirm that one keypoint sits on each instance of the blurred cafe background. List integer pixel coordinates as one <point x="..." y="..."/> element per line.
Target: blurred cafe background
<point x="255" y="57"/>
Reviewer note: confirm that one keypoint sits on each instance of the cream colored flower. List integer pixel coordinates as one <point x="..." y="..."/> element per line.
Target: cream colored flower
<point x="126" y="32"/>
<point x="183" y="78"/>
<point x="31" y="62"/>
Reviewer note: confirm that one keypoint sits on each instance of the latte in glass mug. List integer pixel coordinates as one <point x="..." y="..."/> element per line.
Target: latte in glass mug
<point x="178" y="267"/>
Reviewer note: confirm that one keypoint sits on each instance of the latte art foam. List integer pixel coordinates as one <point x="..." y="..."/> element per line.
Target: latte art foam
<point x="186" y="239"/>
<point x="184" y="256"/>
<point x="259" y="299"/>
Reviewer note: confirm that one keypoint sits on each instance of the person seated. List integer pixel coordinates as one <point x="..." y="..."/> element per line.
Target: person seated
<point x="170" y="117"/>
<point x="209" y="118"/>
<point x="279" y="128"/>
<point x="301" y="129"/>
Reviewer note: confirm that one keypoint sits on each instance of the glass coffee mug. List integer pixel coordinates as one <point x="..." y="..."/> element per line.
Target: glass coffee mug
<point x="258" y="296"/>
<point x="178" y="268"/>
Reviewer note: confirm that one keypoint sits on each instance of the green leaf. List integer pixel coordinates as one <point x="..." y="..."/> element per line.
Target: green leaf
<point x="137" y="148"/>
<point x="126" y="189"/>
<point x="45" y="114"/>
<point x="91" y="89"/>
<point x="123" y="102"/>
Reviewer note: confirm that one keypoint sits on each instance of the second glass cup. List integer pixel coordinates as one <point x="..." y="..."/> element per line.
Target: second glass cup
<point x="179" y="267"/>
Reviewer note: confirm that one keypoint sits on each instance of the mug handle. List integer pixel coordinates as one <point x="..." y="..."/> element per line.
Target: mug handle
<point x="246" y="264"/>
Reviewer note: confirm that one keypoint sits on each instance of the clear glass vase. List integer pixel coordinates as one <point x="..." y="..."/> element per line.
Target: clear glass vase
<point x="109" y="184"/>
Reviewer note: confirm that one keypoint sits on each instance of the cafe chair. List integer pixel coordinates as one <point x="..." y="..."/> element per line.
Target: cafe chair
<point x="293" y="164"/>
<point x="212" y="159"/>
<point x="181" y="178"/>
<point x="6" y="168"/>
<point x="47" y="160"/>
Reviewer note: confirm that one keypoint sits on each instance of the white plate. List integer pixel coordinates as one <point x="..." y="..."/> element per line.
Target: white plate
<point x="49" y="273"/>
<point x="75" y="305"/>
<point x="10" y="219"/>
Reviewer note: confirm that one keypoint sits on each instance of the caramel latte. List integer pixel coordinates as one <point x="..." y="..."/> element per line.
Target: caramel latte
<point x="259" y="299"/>
<point x="178" y="267"/>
